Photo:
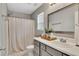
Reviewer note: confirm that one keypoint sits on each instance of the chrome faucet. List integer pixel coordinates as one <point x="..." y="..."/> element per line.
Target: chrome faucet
<point x="63" y="40"/>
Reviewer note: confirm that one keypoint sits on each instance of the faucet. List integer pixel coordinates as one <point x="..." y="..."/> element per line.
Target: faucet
<point x="63" y="40"/>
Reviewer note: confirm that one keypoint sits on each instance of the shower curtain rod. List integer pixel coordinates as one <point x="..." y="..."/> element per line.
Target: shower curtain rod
<point x="11" y="16"/>
<point x="15" y="17"/>
<point x="6" y="17"/>
<point x="21" y="17"/>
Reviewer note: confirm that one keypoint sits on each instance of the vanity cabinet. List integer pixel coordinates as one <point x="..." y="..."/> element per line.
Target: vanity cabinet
<point x="44" y="53"/>
<point x="53" y="52"/>
<point x="36" y="48"/>
<point x="36" y="51"/>
<point x="41" y="49"/>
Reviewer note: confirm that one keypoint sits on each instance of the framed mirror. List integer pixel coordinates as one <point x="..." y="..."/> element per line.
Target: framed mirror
<point x="62" y="21"/>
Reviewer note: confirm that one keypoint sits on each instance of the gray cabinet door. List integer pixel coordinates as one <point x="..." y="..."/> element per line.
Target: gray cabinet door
<point x="36" y="50"/>
<point x="53" y="51"/>
<point x="44" y="53"/>
<point x="43" y="46"/>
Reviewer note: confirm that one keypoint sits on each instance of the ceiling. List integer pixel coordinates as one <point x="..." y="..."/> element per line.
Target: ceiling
<point x="26" y="8"/>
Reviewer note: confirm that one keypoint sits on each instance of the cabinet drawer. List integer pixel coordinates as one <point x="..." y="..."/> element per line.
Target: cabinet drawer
<point x="53" y="51"/>
<point x="42" y="46"/>
<point x="44" y="53"/>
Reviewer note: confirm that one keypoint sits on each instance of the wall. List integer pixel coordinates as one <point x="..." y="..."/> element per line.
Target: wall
<point x="20" y="15"/>
<point x="42" y="8"/>
<point x="3" y="9"/>
<point x="3" y="13"/>
<point x="47" y="9"/>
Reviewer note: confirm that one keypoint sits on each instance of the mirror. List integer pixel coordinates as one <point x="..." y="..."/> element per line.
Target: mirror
<point x="63" y="22"/>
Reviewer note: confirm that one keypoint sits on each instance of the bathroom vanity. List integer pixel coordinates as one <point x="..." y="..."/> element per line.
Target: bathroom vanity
<point x="44" y="47"/>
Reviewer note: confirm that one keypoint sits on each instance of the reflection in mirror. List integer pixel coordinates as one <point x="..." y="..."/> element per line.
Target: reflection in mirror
<point x="63" y="22"/>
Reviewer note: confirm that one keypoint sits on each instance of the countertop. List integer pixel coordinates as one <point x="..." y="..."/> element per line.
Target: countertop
<point x="69" y="49"/>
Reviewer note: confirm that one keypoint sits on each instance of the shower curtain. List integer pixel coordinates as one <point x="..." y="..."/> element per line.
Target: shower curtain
<point x="20" y="34"/>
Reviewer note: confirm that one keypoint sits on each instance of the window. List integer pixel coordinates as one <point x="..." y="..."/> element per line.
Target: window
<point x="40" y="22"/>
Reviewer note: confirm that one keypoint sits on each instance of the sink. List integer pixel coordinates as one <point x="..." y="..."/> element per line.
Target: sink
<point x="67" y="40"/>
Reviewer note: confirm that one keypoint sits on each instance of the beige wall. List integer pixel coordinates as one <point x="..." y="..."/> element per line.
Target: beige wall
<point x="3" y="9"/>
<point x="3" y="13"/>
<point x="42" y="8"/>
<point x="47" y="9"/>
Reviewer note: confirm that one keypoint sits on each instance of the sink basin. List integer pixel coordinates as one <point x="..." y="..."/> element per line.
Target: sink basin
<point x="67" y="40"/>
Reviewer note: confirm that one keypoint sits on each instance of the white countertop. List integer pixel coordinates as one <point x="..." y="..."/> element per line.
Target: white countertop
<point x="63" y="47"/>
